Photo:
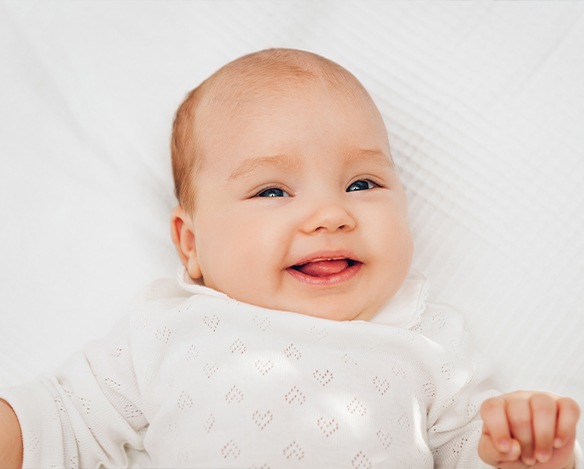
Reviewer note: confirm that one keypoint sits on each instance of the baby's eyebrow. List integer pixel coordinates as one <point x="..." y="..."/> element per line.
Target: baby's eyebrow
<point x="288" y="163"/>
<point x="249" y="165"/>
<point x="374" y="155"/>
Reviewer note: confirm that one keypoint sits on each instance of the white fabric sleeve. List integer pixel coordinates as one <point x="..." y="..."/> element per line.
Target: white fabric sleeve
<point x="86" y="414"/>
<point x="454" y="426"/>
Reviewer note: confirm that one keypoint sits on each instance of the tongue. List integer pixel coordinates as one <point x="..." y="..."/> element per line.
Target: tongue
<point x="323" y="268"/>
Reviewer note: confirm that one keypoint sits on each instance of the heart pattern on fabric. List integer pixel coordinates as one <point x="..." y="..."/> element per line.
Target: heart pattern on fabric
<point x="262" y="420"/>
<point x="234" y="395"/>
<point x="264" y="366"/>
<point x="212" y="322"/>
<point x="382" y="385"/>
<point x="295" y="396"/>
<point x="323" y="377"/>
<point x="294" y="451"/>
<point x="263" y="323"/>
<point x="327" y="427"/>
<point x="230" y="450"/>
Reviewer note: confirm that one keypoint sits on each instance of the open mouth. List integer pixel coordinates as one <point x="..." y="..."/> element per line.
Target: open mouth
<point x="325" y="270"/>
<point x="324" y="267"/>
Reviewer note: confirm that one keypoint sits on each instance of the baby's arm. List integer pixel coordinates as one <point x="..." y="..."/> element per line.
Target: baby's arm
<point x="88" y="413"/>
<point x="529" y="429"/>
<point x="10" y="438"/>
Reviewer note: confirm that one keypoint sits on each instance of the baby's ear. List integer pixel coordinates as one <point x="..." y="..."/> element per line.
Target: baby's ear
<point x="183" y="237"/>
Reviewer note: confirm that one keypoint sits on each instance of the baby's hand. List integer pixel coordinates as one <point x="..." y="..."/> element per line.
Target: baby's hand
<point x="529" y="429"/>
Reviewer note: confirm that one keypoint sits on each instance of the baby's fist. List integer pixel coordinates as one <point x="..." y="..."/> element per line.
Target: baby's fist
<point x="529" y="429"/>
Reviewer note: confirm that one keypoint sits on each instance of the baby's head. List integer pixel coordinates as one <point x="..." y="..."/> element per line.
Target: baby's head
<point x="288" y="196"/>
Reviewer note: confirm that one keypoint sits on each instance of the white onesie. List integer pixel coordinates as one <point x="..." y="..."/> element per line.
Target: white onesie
<point x="196" y="379"/>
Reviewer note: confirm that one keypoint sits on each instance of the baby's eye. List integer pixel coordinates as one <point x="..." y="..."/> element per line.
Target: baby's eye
<point x="361" y="185"/>
<point x="273" y="192"/>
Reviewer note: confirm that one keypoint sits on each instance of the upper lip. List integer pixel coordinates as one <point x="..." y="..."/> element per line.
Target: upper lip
<point x="326" y="256"/>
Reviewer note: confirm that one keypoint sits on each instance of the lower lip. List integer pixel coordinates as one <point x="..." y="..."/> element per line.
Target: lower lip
<point x="330" y="280"/>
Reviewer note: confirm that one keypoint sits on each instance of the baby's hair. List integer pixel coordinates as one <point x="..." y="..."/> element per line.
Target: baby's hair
<point x="248" y="76"/>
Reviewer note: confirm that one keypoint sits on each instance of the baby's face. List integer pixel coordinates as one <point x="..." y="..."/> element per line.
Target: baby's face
<point x="298" y="205"/>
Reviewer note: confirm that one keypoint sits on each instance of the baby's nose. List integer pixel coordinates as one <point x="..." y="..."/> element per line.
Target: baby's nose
<point x="329" y="217"/>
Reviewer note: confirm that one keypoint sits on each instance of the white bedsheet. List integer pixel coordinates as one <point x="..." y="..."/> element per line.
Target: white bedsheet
<point x="484" y="103"/>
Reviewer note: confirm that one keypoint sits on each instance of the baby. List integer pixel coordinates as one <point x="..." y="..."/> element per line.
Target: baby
<point x="296" y="334"/>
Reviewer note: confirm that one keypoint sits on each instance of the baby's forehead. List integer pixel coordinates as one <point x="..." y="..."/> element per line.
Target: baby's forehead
<point x="269" y="74"/>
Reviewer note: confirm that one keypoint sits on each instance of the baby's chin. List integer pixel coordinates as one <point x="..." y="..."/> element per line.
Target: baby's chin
<point x="339" y="306"/>
<point x="329" y="310"/>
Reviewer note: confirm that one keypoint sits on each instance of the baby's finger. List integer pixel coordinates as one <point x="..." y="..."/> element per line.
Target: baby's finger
<point x="544" y="411"/>
<point x="519" y="415"/>
<point x="495" y="425"/>
<point x="568" y="415"/>
<point x="492" y="456"/>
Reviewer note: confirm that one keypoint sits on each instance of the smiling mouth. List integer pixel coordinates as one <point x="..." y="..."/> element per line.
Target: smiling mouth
<point x="326" y="271"/>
